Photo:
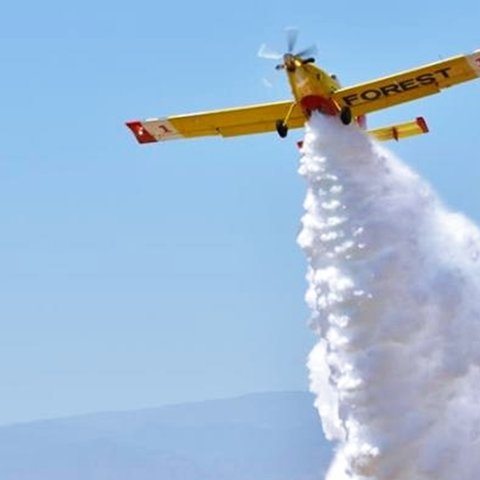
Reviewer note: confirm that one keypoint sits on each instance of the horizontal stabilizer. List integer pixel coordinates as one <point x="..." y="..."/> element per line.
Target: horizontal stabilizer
<point x="402" y="130"/>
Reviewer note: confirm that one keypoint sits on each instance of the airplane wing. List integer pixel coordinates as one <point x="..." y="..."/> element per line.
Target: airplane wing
<point x="227" y="122"/>
<point x="402" y="130"/>
<point x="408" y="85"/>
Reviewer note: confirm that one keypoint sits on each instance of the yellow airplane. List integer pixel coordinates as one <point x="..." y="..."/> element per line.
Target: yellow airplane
<point x="314" y="89"/>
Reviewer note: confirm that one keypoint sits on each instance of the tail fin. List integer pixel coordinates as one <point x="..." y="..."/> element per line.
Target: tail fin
<point x="402" y="130"/>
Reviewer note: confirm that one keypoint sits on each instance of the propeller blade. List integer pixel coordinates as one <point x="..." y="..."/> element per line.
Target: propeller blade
<point x="266" y="52"/>
<point x="292" y="36"/>
<point x="307" y="52"/>
<point x="267" y="83"/>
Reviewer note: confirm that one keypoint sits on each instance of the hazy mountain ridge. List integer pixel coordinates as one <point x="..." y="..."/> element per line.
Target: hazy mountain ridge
<point x="273" y="436"/>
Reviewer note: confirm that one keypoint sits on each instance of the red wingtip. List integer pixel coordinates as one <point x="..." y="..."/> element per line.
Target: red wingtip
<point x="422" y="124"/>
<point x="140" y="133"/>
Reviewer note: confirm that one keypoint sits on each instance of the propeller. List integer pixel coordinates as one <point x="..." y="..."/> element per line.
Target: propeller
<point x="289" y="57"/>
<point x="269" y="54"/>
<point x="292" y="37"/>
<point x="307" y="52"/>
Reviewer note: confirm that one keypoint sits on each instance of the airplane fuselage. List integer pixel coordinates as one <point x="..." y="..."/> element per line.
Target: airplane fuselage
<point x="313" y="88"/>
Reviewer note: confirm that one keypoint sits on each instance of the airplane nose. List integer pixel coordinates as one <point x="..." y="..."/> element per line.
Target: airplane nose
<point x="289" y="61"/>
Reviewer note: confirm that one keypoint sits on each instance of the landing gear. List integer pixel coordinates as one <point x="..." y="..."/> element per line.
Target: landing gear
<point x="346" y="115"/>
<point x="282" y="125"/>
<point x="282" y="128"/>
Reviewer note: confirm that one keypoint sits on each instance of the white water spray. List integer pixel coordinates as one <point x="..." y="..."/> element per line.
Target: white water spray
<point x="394" y="291"/>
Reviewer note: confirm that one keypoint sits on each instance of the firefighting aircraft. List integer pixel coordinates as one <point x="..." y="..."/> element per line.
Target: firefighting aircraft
<point x="316" y="90"/>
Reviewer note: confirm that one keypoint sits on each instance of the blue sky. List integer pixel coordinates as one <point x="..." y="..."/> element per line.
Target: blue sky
<point x="135" y="276"/>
